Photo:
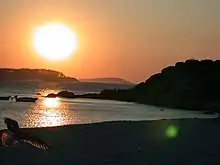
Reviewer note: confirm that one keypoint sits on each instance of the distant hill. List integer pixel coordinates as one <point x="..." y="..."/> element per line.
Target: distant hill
<point x="107" y="80"/>
<point x="192" y="85"/>
<point x="24" y="74"/>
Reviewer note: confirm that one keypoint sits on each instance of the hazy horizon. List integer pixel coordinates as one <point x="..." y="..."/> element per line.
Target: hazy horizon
<point x="126" y="39"/>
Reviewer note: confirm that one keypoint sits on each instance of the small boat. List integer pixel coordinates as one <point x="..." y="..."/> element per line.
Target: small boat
<point x="24" y="99"/>
<point x="5" y="97"/>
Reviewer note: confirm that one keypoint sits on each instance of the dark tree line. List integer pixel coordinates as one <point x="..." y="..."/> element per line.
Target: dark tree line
<point x="29" y="74"/>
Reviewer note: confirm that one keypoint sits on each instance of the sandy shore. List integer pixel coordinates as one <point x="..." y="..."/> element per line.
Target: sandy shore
<point x="164" y="142"/>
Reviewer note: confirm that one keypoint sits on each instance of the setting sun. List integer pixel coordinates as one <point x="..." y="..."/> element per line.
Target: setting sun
<point x="54" y="42"/>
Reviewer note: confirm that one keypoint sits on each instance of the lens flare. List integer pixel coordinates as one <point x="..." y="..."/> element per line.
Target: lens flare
<point x="172" y="131"/>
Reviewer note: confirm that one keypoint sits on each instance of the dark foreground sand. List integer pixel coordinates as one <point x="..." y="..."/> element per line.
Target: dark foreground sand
<point x="124" y="143"/>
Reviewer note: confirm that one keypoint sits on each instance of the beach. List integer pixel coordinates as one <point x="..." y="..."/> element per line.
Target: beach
<point x="161" y="142"/>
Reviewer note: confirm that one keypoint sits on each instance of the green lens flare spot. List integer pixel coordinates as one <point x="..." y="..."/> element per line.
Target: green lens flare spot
<point x="171" y="131"/>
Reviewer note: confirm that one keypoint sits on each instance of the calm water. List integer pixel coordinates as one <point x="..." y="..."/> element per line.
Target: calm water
<point x="54" y="112"/>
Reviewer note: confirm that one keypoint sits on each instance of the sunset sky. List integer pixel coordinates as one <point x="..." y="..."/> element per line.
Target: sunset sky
<point x="131" y="39"/>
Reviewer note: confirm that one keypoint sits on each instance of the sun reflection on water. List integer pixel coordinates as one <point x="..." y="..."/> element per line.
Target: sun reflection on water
<point x="49" y="112"/>
<point x="51" y="118"/>
<point x="51" y="102"/>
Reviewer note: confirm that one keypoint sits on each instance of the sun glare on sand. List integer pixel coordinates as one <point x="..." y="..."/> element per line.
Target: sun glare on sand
<point x="54" y="42"/>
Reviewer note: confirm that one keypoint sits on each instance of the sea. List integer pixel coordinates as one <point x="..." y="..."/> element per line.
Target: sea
<point x="49" y="112"/>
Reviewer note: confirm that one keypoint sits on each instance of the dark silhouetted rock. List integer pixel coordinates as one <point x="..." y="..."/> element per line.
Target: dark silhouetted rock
<point x="51" y="95"/>
<point x="66" y="94"/>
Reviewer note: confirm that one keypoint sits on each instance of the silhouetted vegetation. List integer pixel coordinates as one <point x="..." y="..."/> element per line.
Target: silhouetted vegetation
<point x="32" y="74"/>
<point x="191" y="85"/>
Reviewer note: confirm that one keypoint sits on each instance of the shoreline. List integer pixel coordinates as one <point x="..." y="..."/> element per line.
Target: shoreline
<point x="113" y="95"/>
<point x="168" y="141"/>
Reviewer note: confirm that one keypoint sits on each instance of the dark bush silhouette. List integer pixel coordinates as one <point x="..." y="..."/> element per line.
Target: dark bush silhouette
<point x="31" y="74"/>
<point x="189" y="85"/>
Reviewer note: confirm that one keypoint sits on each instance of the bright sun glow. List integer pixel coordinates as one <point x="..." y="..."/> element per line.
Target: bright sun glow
<point x="55" y="42"/>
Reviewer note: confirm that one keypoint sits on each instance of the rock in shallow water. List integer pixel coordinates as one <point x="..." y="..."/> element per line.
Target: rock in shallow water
<point x="64" y="94"/>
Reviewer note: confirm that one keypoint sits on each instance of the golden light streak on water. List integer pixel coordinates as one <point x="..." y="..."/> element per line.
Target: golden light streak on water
<point x="51" y="118"/>
<point x="52" y="102"/>
<point x="50" y="112"/>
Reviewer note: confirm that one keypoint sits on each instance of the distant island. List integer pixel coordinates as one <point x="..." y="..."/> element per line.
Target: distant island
<point x="190" y="85"/>
<point x="107" y="80"/>
<point x="24" y="74"/>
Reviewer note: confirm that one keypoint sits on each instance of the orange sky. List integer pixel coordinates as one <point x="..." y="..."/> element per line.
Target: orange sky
<point x="117" y="38"/>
